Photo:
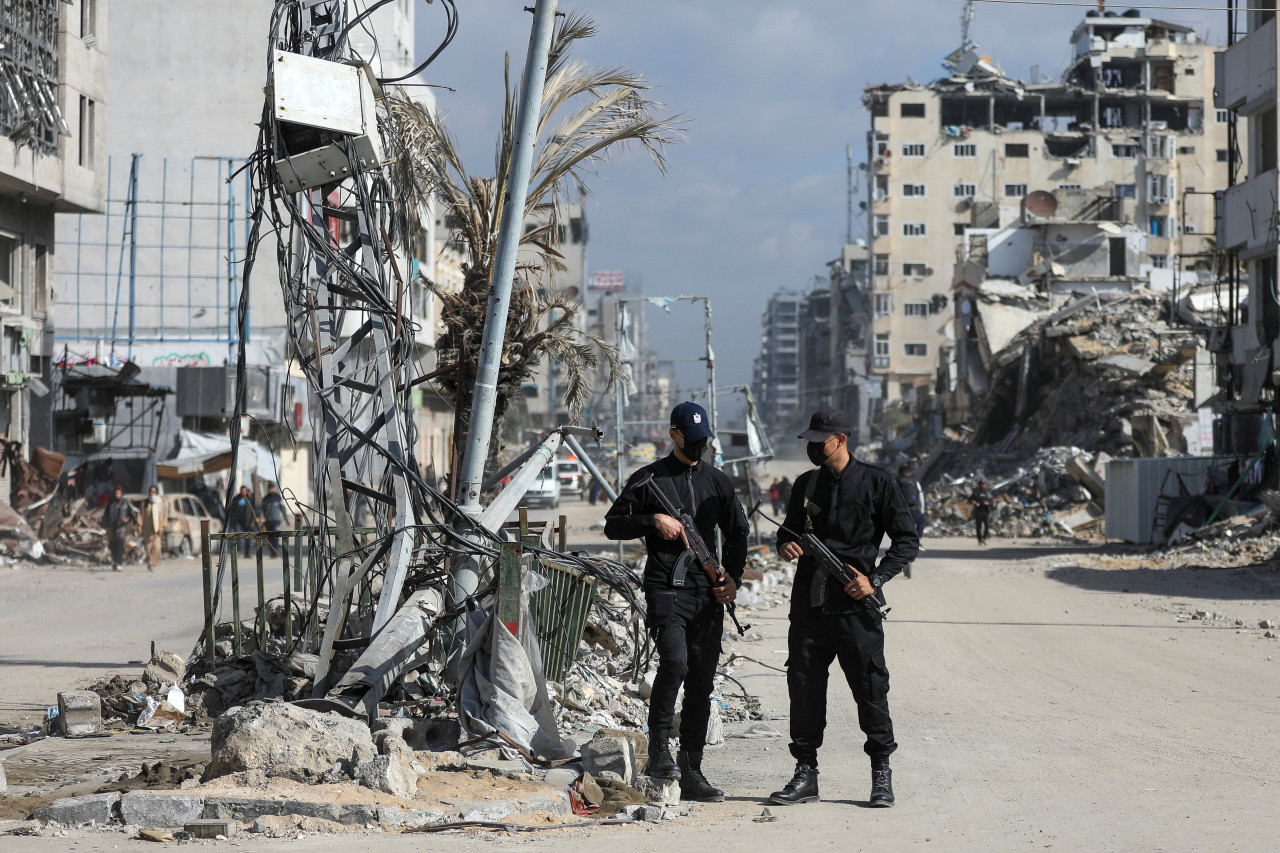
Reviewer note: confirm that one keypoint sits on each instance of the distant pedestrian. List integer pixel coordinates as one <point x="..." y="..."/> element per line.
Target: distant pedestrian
<point x="117" y="518"/>
<point x="273" y="516"/>
<point x="154" y="520"/>
<point x="593" y="491"/>
<point x="784" y="491"/>
<point x="981" y="500"/>
<point x="243" y="519"/>
<point x="775" y="497"/>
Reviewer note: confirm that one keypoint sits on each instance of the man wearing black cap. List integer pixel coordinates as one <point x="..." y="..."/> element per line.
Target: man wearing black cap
<point x="850" y="506"/>
<point x="685" y="611"/>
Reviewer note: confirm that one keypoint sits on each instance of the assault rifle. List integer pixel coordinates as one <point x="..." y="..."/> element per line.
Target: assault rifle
<point x="828" y="561"/>
<point x="699" y="547"/>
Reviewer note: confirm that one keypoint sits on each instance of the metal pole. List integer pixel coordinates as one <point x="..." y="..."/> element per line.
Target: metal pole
<point x="465" y="578"/>
<point x="619" y="307"/>
<point x="711" y="382"/>
<point x="591" y="466"/>
<point x="484" y="396"/>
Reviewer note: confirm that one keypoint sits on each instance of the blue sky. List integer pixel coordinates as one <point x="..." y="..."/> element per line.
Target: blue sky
<point x="754" y="201"/>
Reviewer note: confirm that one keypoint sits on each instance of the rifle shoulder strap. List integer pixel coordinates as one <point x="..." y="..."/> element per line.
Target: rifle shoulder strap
<point x="810" y="506"/>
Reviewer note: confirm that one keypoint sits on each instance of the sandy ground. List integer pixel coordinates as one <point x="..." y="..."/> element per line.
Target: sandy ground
<point x="1038" y="705"/>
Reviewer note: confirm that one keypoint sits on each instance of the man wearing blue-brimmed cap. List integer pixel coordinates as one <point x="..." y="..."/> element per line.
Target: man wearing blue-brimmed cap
<point x="685" y="611"/>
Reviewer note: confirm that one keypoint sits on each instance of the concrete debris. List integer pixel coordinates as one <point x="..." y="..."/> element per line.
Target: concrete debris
<point x="79" y="712"/>
<point x="160" y="809"/>
<point x="610" y="754"/>
<point x="211" y="828"/>
<point x="283" y="739"/>
<point x="393" y="774"/>
<point x="74" y="811"/>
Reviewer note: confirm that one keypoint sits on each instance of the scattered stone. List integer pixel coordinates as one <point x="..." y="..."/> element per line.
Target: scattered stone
<point x="155" y="835"/>
<point x="646" y="684"/>
<point x="211" y="828"/>
<point x="645" y="813"/>
<point x="390" y="774"/>
<point x="155" y="809"/>
<point x="79" y="712"/>
<point x="612" y="754"/>
<point x="164" y="669"/>
<point x="1265" y="623"/>
<point x="263" y="735"/>
<point x="715" y="725"/>
<point x="1270" y="635"/>
<point x="766" y="816"/>
<point x="73" y="811"/>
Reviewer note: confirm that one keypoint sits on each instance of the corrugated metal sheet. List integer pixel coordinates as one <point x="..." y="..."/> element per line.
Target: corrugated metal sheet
<point x="1134" y="485"/>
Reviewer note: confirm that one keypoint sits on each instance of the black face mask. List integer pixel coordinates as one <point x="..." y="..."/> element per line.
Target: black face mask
<point x="814" y="451"/>
<point x="695" y="449"/>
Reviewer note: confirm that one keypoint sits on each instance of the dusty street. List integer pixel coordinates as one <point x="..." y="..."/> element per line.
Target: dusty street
<point x="1037" y="705"/>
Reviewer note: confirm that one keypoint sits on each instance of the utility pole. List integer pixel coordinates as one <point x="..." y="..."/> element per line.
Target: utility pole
<point x="465" y="578"/>
<point x="849" y="191"/>
<point x="619" y="320"/>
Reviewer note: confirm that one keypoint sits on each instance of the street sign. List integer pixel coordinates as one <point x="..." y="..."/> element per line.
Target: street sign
<point x="608" y="280"/>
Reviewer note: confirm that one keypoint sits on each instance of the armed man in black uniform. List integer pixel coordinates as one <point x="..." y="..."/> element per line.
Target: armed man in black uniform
<point x="685" y="610"/>
<point x="849" y="506"/>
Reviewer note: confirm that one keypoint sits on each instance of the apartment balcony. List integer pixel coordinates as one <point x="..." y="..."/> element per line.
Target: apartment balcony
<point x="1245" y="73"/>
<point x="1249" y="213"/>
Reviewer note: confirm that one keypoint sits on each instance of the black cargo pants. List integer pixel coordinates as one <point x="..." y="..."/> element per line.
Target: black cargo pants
<point x="685" y="626"/>
<point x="856" y="639"/>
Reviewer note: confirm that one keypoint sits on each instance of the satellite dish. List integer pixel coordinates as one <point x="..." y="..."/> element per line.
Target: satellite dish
<point x="1041" y="203"/>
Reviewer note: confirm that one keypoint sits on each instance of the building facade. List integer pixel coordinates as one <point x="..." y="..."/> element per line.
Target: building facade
<point x="1132" y="118"/>
<point x="53" y="111"/>
<point x="1246" y="340"/>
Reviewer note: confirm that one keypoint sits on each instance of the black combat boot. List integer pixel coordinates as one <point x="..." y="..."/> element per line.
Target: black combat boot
<point x="660" y="764"/>
<point x="881" y="784"/>
<point x="693" y="785"/>
<point x="803" y="787"/>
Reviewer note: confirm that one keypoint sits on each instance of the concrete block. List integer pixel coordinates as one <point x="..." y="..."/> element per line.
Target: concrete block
<point x="562" y="777"/>
<point x="79" y="712"/>
<point x="485" y="811"/>
<point x="390" y="774"/>
<point x="556" y="804"/>
<point x="612" y="754"/>
<point x="247" y="810"/>
<point x="390" y="817"/>
<point x="160" y="808"/>
<point x="204" y="828"/>
<point x="73" y="811"/>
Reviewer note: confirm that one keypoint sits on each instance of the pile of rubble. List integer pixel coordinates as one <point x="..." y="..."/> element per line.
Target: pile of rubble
<point x="1058" y="491"/>
<point x="1055" y="390"/>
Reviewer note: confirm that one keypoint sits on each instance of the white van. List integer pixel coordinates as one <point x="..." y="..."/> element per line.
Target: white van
<point x="545" y="490"/>
<point x="571" y="475"/>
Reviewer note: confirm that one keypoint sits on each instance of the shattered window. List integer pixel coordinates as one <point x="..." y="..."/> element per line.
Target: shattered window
<point x="1126" y="190"/>
<point x="913" y="149"/>
<point x="914" y="229"/>
<point x="912" y="111"/>
<point x="964" y="149"/>
<point x="1017" y="149"/>
<point x="1124" y="152"/>
<point x="1015" y="190"/>
<point x="882" y="264"/>
<point x="1160" y="262"/>
<point x="915" y="309"/>
<point x="964" y="190"/>
<point x="884" y="307"/>
<point x="913" y="269"/>
<point x="880" y="223"/>
<point x="913" y="190"/>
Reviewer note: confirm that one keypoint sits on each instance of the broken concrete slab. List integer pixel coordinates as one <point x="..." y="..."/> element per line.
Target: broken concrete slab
<point x="165" y="668"/>
<point x="248" y="809"/>
<point x="1126" y="364"/>
<point x="20" y="827"/>
<point x="73" y="811"/>
<point x="146" y="808"/>
<point x="79" y="712"/>
<point x="613" y="754"/>
<point x="211" y="828"/>
<point x="390" y="817"/>
<point x="391" y="774"/>
<point x="265" y="735"/>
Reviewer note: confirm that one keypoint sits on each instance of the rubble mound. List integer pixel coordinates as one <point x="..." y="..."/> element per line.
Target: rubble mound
<point x="281" y="739"/>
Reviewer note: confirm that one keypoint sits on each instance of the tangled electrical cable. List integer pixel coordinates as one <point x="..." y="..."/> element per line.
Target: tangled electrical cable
<point x="342" y="250"/>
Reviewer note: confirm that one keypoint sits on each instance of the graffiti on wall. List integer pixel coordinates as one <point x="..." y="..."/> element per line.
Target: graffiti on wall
<point x="184" y="359"/>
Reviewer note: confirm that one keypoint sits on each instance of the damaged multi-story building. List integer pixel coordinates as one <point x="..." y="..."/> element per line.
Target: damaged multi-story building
<point x="1246" y="334"/>
<point x="53" y="97"/>
<point x="1129" y="125"/>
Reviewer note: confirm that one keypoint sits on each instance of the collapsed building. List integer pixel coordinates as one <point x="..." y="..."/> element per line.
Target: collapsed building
<point x="1127" y="125"/>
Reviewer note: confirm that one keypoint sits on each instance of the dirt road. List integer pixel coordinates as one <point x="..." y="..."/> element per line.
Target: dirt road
<point x="1038" y="705"/>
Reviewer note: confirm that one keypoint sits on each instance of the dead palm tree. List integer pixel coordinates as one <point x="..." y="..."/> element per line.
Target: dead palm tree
<point x="587" y="114"/>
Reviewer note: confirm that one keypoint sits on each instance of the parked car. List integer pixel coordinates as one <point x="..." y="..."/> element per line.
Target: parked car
<point x="186" y="511"/>
<point x="571" y="474"/>
<point x="643" y="451"/>
<point x="545" y="490"/>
